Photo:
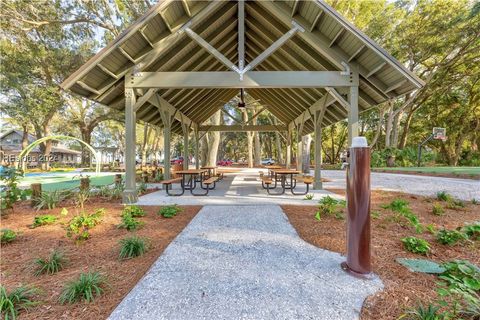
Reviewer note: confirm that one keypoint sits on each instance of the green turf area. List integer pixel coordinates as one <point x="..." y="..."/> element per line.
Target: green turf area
<point x="61" y="181"/>
<point x="452" y="170"/>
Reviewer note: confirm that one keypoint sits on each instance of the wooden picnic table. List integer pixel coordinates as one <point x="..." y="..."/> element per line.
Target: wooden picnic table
<point x="212" y="170"/>
<point x="191" y="183"/>
<point x="284" y="182"/>
<point x="273" y="167"/>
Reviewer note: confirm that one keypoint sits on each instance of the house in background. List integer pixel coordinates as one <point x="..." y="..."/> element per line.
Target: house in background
<point x="11" y="146"/>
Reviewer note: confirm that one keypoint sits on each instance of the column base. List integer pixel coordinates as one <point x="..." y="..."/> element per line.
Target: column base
<point x="317" y="185"/>
<point x="129" y="196"/>
<point x="365" y="276"/>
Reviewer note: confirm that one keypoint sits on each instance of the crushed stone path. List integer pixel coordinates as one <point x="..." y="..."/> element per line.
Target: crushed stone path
<point x="245" y="262"/>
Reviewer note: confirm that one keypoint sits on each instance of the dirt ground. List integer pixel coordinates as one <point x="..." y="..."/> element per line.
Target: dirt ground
<point x="99" y="253"/>
<point x="403" y="289"/>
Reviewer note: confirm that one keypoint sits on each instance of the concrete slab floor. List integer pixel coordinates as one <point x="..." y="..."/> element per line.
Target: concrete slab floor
<point x="245" y="262"/>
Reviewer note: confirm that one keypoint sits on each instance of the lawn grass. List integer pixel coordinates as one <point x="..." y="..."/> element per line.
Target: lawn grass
<point x="447" y="170"/>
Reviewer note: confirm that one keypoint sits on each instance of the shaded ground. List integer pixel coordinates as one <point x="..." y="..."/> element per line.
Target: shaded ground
<point x="402" y="288"/>
<point x="245" y="262"/>
<point x="99" y="253"/>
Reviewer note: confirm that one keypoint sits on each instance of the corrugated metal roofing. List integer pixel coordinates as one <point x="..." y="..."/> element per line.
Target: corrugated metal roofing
<point x="153" y="43"/>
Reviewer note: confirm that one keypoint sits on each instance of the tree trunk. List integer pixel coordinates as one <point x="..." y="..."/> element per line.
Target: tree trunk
<point x="405" y="129"/>
<point x="395" y="128"/>
<point x="215" y="141"/>
<point x="388" y="129"/>
<point x="306" y="144"/>
<point x="381" y="115"/>
<point x="25" y="137"/>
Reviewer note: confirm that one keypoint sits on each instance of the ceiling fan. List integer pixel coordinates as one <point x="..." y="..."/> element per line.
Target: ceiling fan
<point x="241" y="103"/>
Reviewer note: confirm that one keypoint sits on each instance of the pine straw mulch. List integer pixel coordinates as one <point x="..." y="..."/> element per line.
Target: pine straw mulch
<point x="98" y="253"/>
<point x="403" y="289"/>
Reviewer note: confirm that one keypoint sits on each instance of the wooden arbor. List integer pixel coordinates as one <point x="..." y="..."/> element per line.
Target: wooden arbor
<point x="173" y="66"/>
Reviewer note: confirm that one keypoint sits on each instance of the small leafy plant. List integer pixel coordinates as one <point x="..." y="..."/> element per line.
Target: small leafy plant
<point x="134" y="211"/>
<point x="129" y="222"/>
<point x="169" y="211"/>
<point x="12" y="302"/>
<point x="10" y="192"/>
<point x="459" y="288"/>
<point x="308" y="196"/>
<point x="330" y="206"/>
<point x="80" y="225"/>
<point x="132" y="247"/>
<point x="43" y="220"/>
<point x="421" y="312"/>
<point x="455" y="204"/>
<point x="472" y="231"/>
<point x="49" y="200"/>
<point x="444" y="196"/>
<point x="81" y="197"/>
<point x="416" y="245"/>
<point x="142" y="187"/>
<point x="375" y="214"/>
<point x="87" y="287"/>
<point x="8" y="236"/>
<point x="50" y="265"/>
<point x="402" y="211"/>
<point x="449" y="237"/>
<point x="437" y="209"/>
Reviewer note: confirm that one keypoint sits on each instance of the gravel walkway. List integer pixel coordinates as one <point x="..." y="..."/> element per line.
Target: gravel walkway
<point x="245" y="262"/>
<point x="464" y="189"/>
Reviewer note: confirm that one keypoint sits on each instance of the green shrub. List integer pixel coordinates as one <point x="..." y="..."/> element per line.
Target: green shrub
<point x="129" y="222"/>
<point x="375" y="214"/>
<point x="416" y="245"/>
<point x="134" y="211"/>
<point x="475" y="201"/>
<point x="43" y="220"/>
<point x="330" y="206"/>
<point x="444" y="196"/>
<point x="49" y="200"/>
<point x="141" y="187"/>
<point x="169" y="211"/>
<point x="397" y="205"/>
<point x="8" y="236"/>
<point x="460" y="287"/>
<point x="50" y="265"/>
<point x="449" y="237"/>
<point x="437" y="209"/>
<point x="11" y="193"/>
<point x="87" y="287"/>
<point x="81" y="224"/>
<point x="11" y="303"/>
<point x="472" y="231"/>
<point x="132" y="247"/>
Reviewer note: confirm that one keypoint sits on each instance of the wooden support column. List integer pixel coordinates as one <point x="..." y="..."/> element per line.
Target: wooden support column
<point x="130" y="192"/>
<point x="288" y="158"/>
<point x="352" y="113"/>
<point x="300" y="145"/>
<point x="317" y="122"/>
<point x="186" y="133"/>
<point x="197" y="148"/>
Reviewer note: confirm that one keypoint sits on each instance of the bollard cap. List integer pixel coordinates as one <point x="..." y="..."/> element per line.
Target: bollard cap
<point x="359" y="142"/>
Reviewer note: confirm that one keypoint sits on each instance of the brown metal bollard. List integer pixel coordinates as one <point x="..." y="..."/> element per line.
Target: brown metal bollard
<point x="358" y="206"/>
<point x="36" y="193"/>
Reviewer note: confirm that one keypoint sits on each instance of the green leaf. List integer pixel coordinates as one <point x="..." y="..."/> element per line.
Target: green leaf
<point x="421" y="265"/>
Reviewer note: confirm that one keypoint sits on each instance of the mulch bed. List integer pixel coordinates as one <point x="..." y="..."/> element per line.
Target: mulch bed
<point x="403" y="289"/>
<point x="98" y="253"/>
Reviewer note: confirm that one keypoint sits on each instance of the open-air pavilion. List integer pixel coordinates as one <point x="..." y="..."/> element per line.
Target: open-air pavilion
<point x="174" y="66"/>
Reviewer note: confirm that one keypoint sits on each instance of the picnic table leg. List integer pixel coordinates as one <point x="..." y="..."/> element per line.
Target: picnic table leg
<point x="182" y="185"/>
<point x="298" y="193"/>
<point x="282" y="184"/>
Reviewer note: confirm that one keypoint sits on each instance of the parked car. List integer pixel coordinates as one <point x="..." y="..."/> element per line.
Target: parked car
<point x="177" y="160"/>
<point x="224" y="162"/>
<point x="268" y="162"/>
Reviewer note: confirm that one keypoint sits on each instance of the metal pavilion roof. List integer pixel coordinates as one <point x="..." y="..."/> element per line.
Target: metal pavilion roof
<point x="156" y="42"/>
